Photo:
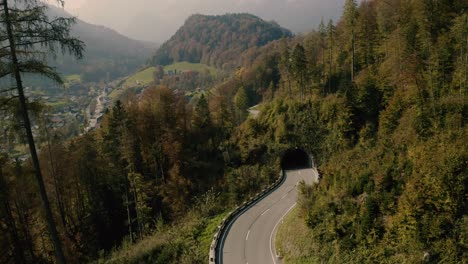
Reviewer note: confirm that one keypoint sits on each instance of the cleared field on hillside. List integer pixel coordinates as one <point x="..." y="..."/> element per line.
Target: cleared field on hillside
<point x="187" y="66"/>
<point x="145" y="76"/>
<point x="142" y="77"/>
<point x="73" y="78"/>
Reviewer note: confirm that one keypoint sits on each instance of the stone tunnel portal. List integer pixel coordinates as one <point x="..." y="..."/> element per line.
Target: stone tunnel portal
<point x="294" y="159"/>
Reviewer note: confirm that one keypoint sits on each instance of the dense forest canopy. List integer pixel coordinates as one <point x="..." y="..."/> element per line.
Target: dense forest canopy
<point x="379" y="98"/>
<point x="217" y="40"/>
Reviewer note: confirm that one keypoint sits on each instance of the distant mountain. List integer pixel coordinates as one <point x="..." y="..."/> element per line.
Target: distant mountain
<point x="158" y="20"/>
<point x="217" y="40"/>
<point x="107" y="54"/>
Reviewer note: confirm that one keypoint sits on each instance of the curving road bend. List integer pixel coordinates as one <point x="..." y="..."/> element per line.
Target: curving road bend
<point x="250" y="239"/>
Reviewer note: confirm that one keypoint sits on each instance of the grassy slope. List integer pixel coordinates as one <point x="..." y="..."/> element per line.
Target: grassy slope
<point x="292" y="240"/>
<point x="59" y="105"/>
<point x="186" y="242"/>
<point x="73" y="78"/>
<point x="187" y="66"/>
<point x="145" y="76"/>
<point x="142" y="77"/>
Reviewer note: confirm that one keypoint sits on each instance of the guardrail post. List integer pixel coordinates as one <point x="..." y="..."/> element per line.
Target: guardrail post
<point x="234" y="214"/>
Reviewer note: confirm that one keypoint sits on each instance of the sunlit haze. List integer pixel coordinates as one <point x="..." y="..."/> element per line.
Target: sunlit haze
<point x="157" y="20"/>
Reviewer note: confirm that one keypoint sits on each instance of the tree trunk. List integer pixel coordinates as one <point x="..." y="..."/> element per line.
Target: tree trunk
<point x="331" y="64"/>
<point x="24" y="226"/>
<point x="129" y="219"/>
<point x="464" y="57"/>
<point x="60" y="258"/>
<point x="58" y="192"/>
<point x="353" y="55"/>
<point x="5" y="209"/>
<point x="137" y="213"/>
<point x="324" y="50"/>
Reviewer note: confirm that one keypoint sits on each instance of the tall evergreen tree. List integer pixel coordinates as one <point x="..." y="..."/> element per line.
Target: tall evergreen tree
<point x="6" y="217"/>
<point x="121" y="150"/>
<point x="299" y="66"/>
<point x="285" y="62"/>
<point x="202" y="123"/>
<point x="322" y="30"/>
<point x="202" y="116"/>
<point x="25" y="29"/>
<point x="241" y="103"/>
<point x="350" y="16"/>
<point x="331" y="36"/>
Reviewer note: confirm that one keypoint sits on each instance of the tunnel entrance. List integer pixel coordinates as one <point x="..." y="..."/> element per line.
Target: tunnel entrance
<point x="295" y="159"/>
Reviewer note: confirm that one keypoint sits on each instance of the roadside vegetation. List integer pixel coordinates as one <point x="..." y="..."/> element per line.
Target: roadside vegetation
<point x="395" y="191"/>
<point x="293" y="240"/>
<point x="185" y="241"/>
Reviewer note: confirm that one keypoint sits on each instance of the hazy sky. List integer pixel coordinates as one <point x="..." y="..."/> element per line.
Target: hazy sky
<point x="157" y="20"/>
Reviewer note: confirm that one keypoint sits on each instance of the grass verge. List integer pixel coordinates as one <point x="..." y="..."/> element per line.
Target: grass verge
<point x="185" y="242"/>
<point x="293" y="240"/>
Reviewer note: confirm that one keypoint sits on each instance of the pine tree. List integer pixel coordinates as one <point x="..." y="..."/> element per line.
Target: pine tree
<point x="6" y="217"/>
<point x="323" y="44"/>
<point x="350" y="16"/>
<point x="331" y="36"/>
<point x="299" y="66"/>
<point x="25" y="28"/>
<point x="285" y="62"/>
<point x="202" y="116"/>
<point x="202" y="124"/>
<point x="460" y="31"/>
<point x="123" y="154"/>
<point x="323" y="36"/>
<point x="241" y="103"/>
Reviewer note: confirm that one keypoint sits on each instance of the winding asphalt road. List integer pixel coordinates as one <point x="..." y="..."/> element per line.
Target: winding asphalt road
<point x="250" y="239"/>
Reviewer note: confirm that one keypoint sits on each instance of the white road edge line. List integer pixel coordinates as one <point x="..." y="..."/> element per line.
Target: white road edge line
<point x="265" y="211"/>
<point x="247" y="237"/>
<point x="272" y="245"/>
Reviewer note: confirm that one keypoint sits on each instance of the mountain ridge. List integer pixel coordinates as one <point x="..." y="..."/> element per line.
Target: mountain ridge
<point x="218" y="40"/>
<point x="106" y="50"/>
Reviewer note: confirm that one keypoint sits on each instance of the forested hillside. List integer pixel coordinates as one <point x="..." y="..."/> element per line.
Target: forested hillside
<point x="217" y="40"/>
<point x="108" y="54"/>
<point x="379" y="98"/>
<point x="386" y="120"/>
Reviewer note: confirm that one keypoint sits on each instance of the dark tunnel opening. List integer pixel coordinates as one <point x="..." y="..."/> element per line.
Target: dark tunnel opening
<point x="295" y="159"/>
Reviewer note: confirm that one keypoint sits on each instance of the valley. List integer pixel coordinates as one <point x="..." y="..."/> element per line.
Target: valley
<point x="235" y="140"/>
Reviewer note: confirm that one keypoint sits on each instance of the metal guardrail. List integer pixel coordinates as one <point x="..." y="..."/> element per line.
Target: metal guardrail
<point x="220" y="235"/>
